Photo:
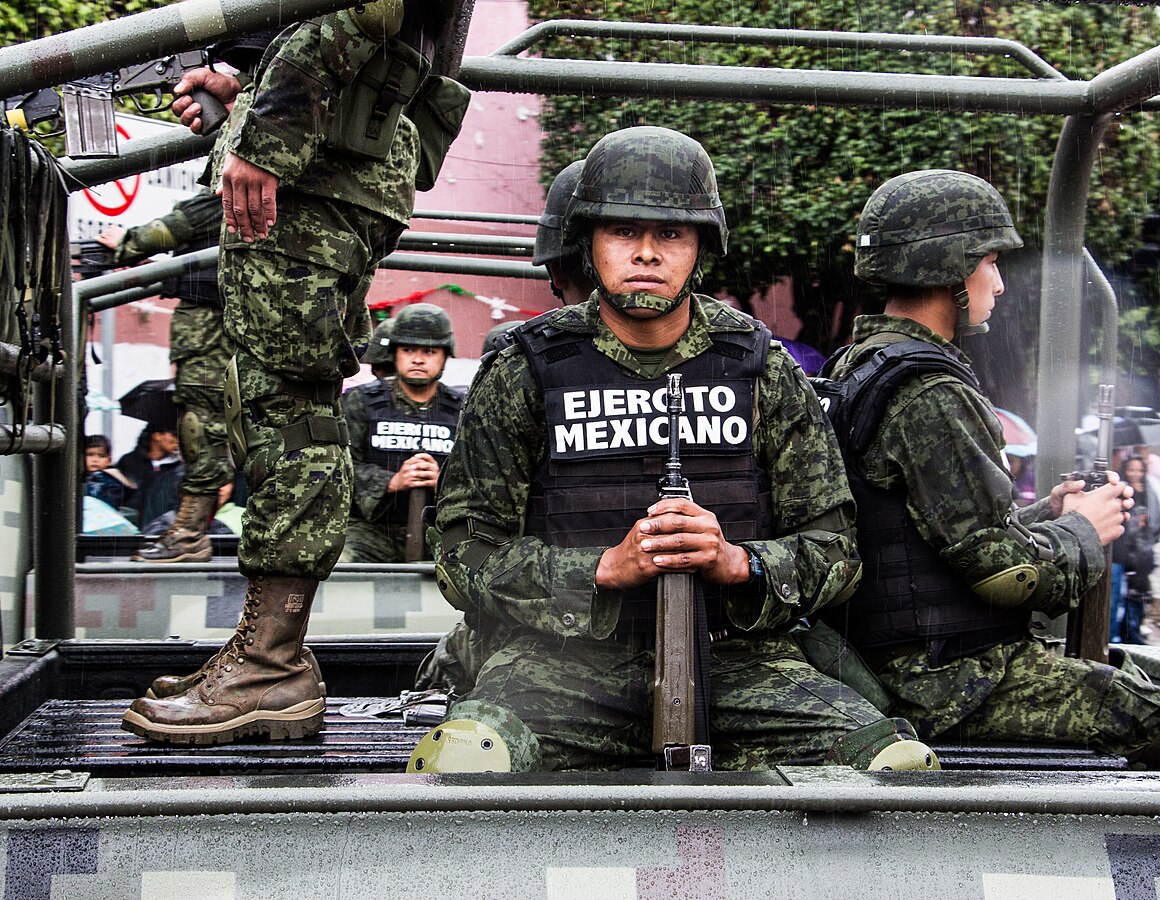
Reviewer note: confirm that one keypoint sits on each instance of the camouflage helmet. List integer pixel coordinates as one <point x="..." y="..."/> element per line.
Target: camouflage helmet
<point x="423" y="325"/>
<point x="550" y="243"/>
<point x="651" y="174"/>
<point x="491" y="339"/>
<point x="378" y="351"/>
<point x="931" y="228"/>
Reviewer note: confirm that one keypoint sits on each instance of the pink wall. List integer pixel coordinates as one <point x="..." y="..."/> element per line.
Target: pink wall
<point x="493" y="166"/>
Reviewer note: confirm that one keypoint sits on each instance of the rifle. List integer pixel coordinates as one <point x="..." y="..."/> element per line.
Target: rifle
<point x="416" y="546"/>
<point x="674" y="699"/>
<point x="1087" y="626"/>
<point x="83" y="109"/>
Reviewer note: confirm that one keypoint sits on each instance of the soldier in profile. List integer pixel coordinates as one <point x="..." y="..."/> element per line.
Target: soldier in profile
<point x="952" y="570"/>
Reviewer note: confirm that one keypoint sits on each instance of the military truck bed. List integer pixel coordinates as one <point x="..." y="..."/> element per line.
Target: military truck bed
<point x="61" y="704"/>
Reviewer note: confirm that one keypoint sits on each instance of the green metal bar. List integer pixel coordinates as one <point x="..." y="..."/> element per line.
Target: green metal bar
<point x="463" y="265"/>
<point x="521" y="796"/>
<point x="144" y="154"/>
<point x="872" y="90"/>
<point x="445" y="242"/>
<point x="120" y="42"/>
<point x="853" y="40"/>
<point x="503" y="218"/>
<point x="1062" y="280"/>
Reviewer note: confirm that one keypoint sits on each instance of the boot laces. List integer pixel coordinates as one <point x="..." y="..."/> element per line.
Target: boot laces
<point x="235" y="648"/>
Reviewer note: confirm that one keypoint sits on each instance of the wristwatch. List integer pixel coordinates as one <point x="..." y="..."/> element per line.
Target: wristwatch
<point x="756" y="567"/>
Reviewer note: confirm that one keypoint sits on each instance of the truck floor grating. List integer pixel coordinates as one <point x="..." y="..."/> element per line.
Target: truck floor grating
<point x="87" y="735"/>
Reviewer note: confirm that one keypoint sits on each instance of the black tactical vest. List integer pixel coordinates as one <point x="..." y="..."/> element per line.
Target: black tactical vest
<point x="908" y="593"/>
<point x="394" y="436"/>
<point x="608" y="444"/>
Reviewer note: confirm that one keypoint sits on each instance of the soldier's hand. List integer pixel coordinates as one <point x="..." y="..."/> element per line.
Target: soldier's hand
<point x="1106" y="508"/>
<point x="421" y="470"/>
<point x="676" y="536"/>
<point x="225" y="87"/>
<point x="1060" y="491"/>
<point x="111" y="237"/>
<point x="248" y="198"/>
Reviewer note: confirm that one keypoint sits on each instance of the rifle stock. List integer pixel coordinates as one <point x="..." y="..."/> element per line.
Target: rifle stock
<point x="416" y="546"/>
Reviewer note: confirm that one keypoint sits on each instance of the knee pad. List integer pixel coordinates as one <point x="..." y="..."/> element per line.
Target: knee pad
<point x="190" y="434"/>
<point x="477" y="737"/>
<point x="886" y="745"/>
<point x="235" y="428"/>
<point x="460" y="745"/>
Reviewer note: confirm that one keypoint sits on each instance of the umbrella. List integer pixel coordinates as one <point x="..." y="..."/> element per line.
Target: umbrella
<point x="100" y="518"/>
<point x="1020" y="437"/>
<point x="152" y="402"/>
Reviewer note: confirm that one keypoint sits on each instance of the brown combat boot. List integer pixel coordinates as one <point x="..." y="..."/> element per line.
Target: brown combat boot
<point x="165" y="686"/>
<point x="258" y="684"/>
<point x="187" y="539"/>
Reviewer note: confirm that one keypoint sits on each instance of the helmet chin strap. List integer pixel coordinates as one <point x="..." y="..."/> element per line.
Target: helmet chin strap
<point x="963" y="326"/>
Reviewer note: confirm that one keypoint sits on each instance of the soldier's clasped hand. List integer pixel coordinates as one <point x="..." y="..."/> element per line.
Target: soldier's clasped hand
<point x="677" y="535"/>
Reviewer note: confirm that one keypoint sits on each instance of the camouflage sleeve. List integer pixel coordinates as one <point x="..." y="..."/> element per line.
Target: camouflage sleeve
<point x="370" y="479"/>
<point x="940" y="438"/>
<point x="811" y="555"/>
<point x="288" y="120"/>
<point x="486" y="565"/>
<point x="196" y="219"/>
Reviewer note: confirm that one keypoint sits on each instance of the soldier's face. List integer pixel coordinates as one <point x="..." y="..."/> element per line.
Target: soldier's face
<point x="420" y="363"/>
<point x="644" y="257"/>
<point x="983" y="286"/>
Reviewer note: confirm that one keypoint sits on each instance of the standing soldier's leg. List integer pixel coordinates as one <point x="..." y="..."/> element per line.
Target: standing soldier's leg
<point x="200" y="349"/>
<point x="293" y="307"/>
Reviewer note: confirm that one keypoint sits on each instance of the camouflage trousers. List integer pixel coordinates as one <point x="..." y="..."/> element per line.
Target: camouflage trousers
<point x="1024" y="693"/>
<point x="295" y="306"/>
<point x="200" y="350"/>
<point x="589" y="702"/>
<point x="374" y="542"/>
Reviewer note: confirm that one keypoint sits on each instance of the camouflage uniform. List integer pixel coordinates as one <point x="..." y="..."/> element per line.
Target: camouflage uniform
<point x="941" y="439"/>
<point x="377" y="531"/>
<point x="198" y="347"/>
<point x="295" y="301"/>
<point x="587" y="698"/>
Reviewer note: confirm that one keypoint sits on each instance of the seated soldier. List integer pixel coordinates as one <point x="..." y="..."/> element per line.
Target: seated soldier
<point x="953" y="570"/>
<point x="548" y="520"/>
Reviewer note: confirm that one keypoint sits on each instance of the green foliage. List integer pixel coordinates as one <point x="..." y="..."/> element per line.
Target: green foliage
<point x="794" y="178"/>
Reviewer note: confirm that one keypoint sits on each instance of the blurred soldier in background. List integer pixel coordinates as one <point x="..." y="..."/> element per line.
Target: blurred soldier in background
<point x="199" y="350"/>
<point x="401" y="429"/>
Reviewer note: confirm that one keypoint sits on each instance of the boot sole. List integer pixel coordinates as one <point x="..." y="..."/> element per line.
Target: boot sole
<point x="196" y="556"/>
<point x="302" y="720"/>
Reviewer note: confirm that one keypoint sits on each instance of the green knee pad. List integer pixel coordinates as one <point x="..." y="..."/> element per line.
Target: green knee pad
<point x="888" y="744"/>
<point x="477" y="737"/>
<point x="190" y="434"/>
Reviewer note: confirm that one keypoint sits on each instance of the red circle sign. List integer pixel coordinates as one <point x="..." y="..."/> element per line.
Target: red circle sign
<point x="127" y="188"/>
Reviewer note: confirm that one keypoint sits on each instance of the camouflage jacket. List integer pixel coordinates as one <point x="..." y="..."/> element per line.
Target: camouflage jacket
<point x="281" y="121"/>
<point x="941" y="439"/>
<point x="491" y="569"/>
<point x="192" y="224"/>
<point x="371" y="500"/>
